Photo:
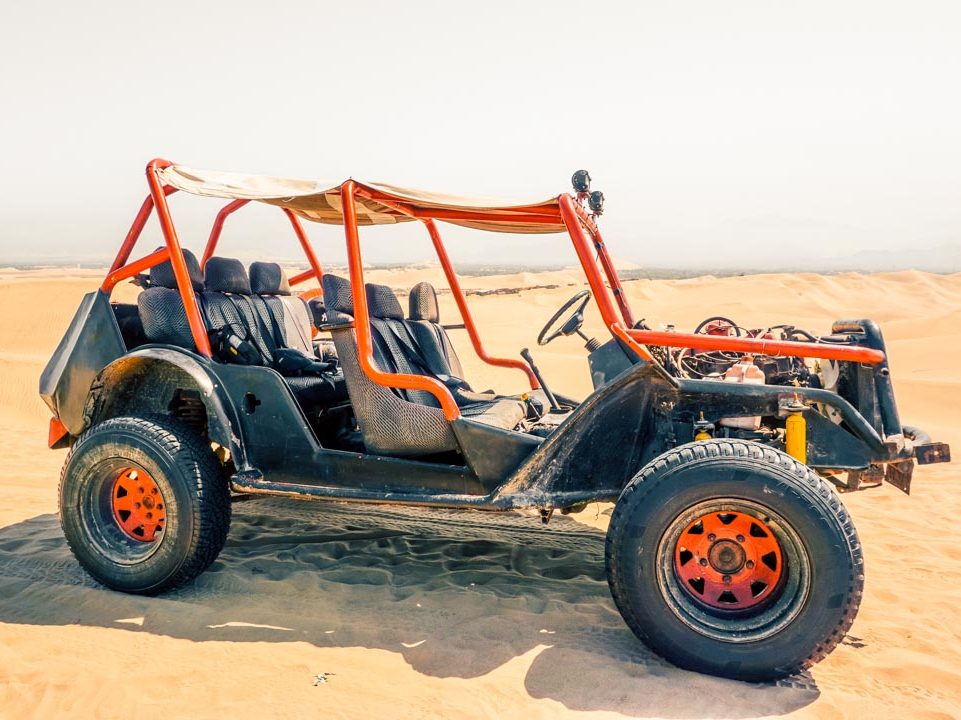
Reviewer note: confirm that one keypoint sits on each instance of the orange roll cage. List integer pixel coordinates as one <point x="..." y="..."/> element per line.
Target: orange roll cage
<point x="591" y="251"/>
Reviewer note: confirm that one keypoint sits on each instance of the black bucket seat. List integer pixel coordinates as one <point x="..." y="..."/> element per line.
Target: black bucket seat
<point x="227" y="305"/>
<point x="395" y="421"/>
<point x="424" y="322"/>
<point x="161" y="308"/>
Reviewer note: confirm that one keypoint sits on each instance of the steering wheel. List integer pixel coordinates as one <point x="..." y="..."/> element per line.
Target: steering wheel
<point x="572" y="321"/>
<point x="719" y="325"/>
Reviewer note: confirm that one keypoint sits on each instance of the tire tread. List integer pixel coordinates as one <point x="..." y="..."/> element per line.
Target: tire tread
<point x="210" y="495"/>
<point x="810" y="483"/>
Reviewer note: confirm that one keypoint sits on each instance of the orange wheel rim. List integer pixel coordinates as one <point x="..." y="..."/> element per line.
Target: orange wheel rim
<point x="728" y="560"/>
<point x="138" y="505"/>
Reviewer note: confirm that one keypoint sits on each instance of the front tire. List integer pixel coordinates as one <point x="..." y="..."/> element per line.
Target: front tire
<point x="731" y="558"/>
<point x="144" y="504"/>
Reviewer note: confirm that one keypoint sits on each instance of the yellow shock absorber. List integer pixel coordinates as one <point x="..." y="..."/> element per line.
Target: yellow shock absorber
<point x="703" y="430"/>
<point x="796" y="432"/>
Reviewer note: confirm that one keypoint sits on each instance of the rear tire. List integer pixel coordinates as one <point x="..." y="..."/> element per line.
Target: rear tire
<point x="731" y="558"/>
<point x="144" y="504"/>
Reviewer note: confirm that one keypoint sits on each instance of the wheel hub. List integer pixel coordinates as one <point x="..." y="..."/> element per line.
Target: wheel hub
<point x="726" y="556"/>
<point x="138" y="505"/>
<point x="728" y="560"/>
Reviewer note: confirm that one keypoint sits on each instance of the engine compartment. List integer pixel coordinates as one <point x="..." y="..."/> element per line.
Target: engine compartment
<point x="817" y="405"/>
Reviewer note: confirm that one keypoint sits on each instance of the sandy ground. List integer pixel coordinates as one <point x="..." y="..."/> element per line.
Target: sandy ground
<point x="435" y="614"/>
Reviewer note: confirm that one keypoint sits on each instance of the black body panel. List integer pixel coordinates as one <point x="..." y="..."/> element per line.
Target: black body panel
<point x="92" y="342"/>
<point x="281" y="446"/>
<point x="631" y="418"/>
<point x="600" y="446"/>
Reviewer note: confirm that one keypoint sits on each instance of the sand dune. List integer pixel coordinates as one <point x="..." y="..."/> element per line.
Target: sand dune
<point x="443" y="614"/>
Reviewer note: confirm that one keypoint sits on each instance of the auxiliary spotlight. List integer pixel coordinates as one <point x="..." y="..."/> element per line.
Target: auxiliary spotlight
<point x="596" y="202"/>
<point x="581" y="181"/>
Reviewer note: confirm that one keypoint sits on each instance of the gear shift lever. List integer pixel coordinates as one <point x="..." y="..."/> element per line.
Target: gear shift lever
<point x="526" y="354"/>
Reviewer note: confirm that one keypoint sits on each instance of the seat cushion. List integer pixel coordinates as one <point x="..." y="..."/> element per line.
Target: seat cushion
<point x="504" y="413"/>
<point x="318" y="391"/>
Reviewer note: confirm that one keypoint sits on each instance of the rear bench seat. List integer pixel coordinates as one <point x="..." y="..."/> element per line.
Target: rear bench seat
<point x="227" y="302"/>
<point x="290" y="315"/>
<point x="287" y="313"/>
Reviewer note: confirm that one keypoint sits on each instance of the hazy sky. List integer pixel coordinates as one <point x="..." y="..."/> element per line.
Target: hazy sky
<point x="747" y="131"/>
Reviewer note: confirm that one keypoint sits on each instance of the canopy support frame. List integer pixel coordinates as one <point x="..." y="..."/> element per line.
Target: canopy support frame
<point x="316" y="269"/>
<point x="453" y="282"/>
<point x="365" y="345"/>
<point x="574" y="217"/>
<point x="121" y="269"/>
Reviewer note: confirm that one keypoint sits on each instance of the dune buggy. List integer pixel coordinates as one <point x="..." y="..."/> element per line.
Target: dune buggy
<point x="728" y="552"/>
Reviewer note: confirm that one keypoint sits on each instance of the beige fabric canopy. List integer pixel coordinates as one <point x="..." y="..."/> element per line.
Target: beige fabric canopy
<point x="321" y="202"/>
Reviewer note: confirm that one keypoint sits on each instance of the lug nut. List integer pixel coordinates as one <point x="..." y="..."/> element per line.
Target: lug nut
<point x="137" y="505"/>
<point x="703" y="562"/>
<point x="712" y="537"/>
<point x="749" y="564"/>
<point x="149" y="515"/>
<point x="727" y="579"/>
<point x="740" y="538"/>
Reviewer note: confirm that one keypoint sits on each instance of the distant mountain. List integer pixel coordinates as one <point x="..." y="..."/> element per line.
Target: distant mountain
<point x="941" y="259"/>
<point x="944" y="259"/>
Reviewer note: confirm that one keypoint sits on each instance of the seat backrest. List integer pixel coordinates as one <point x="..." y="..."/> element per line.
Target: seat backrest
<point x="394" y="422"/>
<point x="229" y="305"/>
<point x="395" y="347"/>
<point x="288" y="314"/>
<point x="161" y="308"/>
<point x="432" y="339"/>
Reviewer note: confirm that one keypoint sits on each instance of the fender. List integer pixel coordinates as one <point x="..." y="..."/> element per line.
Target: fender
<point x="147" y="381"/>
<point x="595" y="452"/>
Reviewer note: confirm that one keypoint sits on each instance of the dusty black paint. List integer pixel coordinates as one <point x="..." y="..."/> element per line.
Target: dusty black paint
<point x="628" y="420"/>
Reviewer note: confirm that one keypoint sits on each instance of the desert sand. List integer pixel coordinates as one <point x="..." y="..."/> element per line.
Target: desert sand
<point x="329" y="610"/>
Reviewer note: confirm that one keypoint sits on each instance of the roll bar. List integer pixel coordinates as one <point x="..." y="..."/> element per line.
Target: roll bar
<point x="315" y="271"/>
<point x="586" y="237"/>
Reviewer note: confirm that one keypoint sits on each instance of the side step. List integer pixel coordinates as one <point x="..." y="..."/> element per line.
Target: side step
<point x="255" y="484"/>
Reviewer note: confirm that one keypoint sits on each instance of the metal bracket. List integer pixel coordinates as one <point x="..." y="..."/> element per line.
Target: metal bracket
<point x="899" y="474"/>
<point x="930" y="453"/>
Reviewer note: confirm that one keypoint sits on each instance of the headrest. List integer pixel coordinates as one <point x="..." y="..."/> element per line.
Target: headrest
<point x="337" y="294"/>
<point x="267" y="278"/>
<point x="382" y="303"/>
<point x="423" y="303"/>
<point x="226" y="275"/>
<point x="162" y="275"/>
